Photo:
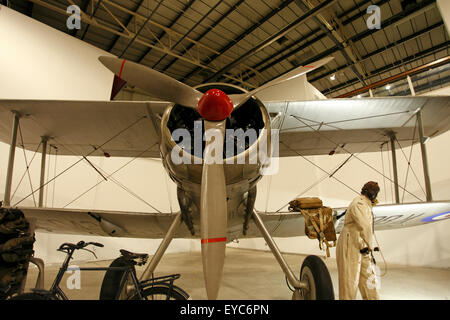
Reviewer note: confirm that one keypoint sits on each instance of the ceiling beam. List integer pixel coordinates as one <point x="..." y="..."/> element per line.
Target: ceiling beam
<point x="398" y="76"/>
<point x="127" y="22"/>
<point x="94" y="11"/>
<point x="311" y="13"/>
<point x="425" y="86"/>
<point x="393" y="20"/>
<point x="337" y="38"/>
<point x="117" y="29"/>
<point x="204" y="33"/>
<point x="188" y="32"/>
<point x="172" y="23"/>
<point x="308" y="43"/>
<point x="312" y="33"/>
<point x="378" y="51"/>
<point x="396" y="64"/>
<point x="248" y="31"/>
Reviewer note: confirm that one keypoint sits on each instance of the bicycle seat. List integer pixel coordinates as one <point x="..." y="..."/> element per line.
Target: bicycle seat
<point x="131" y="255"/>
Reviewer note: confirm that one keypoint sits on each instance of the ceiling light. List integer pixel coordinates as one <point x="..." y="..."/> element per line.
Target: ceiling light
<point x="359" y="96"/>
<point x="388" y="87"/>
<point x="333" y="77"/>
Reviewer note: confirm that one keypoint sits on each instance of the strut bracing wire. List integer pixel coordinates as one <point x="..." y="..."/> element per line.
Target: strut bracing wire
<point x="328" y="175"/>
<point x="27" y="170"/>
<point x="110" y="177"/>
<point x="343" y="148"/>
<point x="409" y="161"/>
<point x="320" y="168"/>
<point x="329" y="124"/>
<point x="81" y="159"/>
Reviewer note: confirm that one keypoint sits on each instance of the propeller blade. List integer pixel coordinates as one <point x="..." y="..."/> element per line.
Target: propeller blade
<point x="213" y="208"/>
<point x="156" y="83"/>
<point x="240" y="99"/>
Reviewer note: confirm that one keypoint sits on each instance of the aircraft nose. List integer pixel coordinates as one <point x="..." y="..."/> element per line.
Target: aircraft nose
<point x="215" y="105"/>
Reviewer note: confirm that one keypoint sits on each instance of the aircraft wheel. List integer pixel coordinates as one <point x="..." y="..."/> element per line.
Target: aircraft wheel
<point x="315" y="273"/>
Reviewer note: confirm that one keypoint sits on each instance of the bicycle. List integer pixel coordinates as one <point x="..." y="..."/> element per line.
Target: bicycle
<point x="119" y="283"/>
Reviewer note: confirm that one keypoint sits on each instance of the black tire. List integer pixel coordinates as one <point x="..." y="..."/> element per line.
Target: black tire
<point x="30" y="296"/>
<point x="160" y="293"/>
<point x="315" y="273"/>
<point x="113" y="279"/>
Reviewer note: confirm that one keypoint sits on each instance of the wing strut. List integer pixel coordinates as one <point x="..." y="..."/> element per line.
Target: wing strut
<point x="394" y="166"/>
<point x="424" y="158"/>
<point x="41" y="183"/>
<point x="161" y="249"/>
<point x="12" y="153"/>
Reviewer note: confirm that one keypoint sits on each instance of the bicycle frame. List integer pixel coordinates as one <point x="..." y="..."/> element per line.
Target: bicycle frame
<point x="139" y="286"/>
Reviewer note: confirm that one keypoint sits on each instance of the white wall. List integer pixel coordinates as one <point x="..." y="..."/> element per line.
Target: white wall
<point x="39" y="62"/>
<point x="444" y="8"/>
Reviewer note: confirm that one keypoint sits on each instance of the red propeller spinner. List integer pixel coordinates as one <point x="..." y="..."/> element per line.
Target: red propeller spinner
<point x="215" y="105"/>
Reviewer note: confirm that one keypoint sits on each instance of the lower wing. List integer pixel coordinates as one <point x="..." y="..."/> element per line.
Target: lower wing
<point x="104" y="223"/>
<point x="279" y="224"/>
<point x="386" y="217"/>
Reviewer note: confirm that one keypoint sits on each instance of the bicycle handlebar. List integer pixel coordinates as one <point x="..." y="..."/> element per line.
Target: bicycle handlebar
<point x="79" y="245"/>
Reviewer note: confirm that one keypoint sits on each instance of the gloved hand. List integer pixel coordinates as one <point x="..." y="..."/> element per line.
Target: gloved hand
<point x="364" y="250"/>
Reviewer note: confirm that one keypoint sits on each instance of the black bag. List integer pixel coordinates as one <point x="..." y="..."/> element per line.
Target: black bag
<point x="16" y="249"/>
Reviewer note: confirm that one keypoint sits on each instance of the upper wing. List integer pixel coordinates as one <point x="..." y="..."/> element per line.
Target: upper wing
<point x="354" y="125"/>
<point x="118" y="128"/>
<point x="386" y="217"/>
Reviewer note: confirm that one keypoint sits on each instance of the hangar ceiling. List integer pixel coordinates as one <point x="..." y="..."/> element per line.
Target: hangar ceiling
<point x="251" y="42"/>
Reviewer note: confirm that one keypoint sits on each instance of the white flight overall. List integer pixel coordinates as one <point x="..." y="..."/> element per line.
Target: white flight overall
<point x="356" y="269"/>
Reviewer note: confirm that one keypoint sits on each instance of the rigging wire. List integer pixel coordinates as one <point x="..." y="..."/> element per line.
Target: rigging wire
<point x="355" y="156"/>
<point x="316" y="183"/>
<point x="329" y="124"/>
<point x="109" y="176"/>
<point x="27" y="170"/>
<point x="410" y="156"/>
<point x="409" y="161"/>
<point x="319" y="168"/>
<point x="81" y="159"/>
<point x="338" y="167"/>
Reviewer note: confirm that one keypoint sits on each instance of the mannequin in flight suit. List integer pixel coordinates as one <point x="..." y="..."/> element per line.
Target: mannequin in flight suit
<point x="354" y="267"/>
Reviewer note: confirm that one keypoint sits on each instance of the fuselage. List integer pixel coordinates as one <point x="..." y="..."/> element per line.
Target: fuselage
<point x="242" y="170"/>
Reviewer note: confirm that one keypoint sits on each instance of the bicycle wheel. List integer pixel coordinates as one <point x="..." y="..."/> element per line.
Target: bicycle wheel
<point x="30" y="296"/>
<point x="160" y="293"/>
<point x="113" y="279"/>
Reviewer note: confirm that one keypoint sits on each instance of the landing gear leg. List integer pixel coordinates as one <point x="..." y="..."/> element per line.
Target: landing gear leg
<point x="315" y="281"/>
<point x="161" y="249"/>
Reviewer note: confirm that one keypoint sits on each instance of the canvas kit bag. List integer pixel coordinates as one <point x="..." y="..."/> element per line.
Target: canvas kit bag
<point x="319" y="222"/>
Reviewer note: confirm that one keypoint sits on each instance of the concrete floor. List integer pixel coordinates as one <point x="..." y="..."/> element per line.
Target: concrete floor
<point x="254" y="275"/>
